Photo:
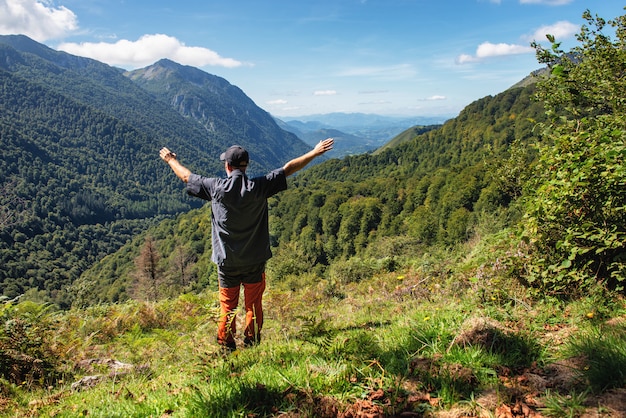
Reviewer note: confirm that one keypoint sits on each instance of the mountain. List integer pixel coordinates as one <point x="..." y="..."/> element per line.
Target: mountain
<point x="405" y="136"/>
<point x="357" y="132"/>
<point x="352" y="121"/>
<point x="345" y="144"/>
<point x="219" y="107"/>
<point x="80" y="143"/>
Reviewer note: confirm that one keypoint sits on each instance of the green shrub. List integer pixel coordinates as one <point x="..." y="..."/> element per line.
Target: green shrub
<point x="575" y="214"/>
<point x="25" y="355"/>
<point x="352" y="270"/>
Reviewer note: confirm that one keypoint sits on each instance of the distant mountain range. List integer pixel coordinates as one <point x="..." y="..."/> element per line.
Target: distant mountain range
<point x="355" y="133"/>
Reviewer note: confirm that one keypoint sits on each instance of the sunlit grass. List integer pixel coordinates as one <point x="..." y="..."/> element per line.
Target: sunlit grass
<point x="570" y="405"/>
<point x="413" y="338"/>
<point x="603" y="352"/>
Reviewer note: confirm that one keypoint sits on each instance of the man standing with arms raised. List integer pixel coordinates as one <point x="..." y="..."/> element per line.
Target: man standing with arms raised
<point x="240" y="233"/>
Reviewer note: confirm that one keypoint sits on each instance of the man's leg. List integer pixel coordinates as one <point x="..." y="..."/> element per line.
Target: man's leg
<point x="253" y="299"/>
<point x="227" y="325"/>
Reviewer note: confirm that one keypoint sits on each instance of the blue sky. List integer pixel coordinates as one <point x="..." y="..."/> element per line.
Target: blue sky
<point x="303" y="57"/>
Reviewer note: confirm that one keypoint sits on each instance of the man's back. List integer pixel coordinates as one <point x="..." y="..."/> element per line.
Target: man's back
<point x="239" y="215"/>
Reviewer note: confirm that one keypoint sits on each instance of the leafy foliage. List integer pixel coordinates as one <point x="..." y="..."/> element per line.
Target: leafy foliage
<point x="26" y="356"/>
<point x="575" y="212"/>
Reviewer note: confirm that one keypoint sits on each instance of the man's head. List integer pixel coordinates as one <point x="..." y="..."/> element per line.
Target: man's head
<point x="236" y="156"/>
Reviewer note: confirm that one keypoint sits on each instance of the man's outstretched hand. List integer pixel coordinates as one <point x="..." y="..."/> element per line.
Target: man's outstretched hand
<point x="299" y="163"/>
<point x="167" y="155"/>
<point x="324" y="145"/>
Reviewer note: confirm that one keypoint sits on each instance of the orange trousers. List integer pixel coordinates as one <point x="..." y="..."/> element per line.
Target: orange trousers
<point x="253" y="302"/>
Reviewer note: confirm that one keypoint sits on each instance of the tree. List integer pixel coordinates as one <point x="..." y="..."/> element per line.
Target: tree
<point x="575" y="214"/>
<point x="148" y="275"/>
<point x="182" y="262"/>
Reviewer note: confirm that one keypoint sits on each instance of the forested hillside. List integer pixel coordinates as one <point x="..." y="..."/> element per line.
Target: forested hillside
<point x="436" y="189"/>
<point x="80" y="168"/>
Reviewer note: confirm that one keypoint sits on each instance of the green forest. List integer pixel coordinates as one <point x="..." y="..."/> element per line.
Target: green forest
<point x="437" y="189"/>
<point x="474" y="269"/>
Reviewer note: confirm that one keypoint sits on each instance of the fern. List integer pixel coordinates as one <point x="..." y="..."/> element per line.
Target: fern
<point x="316" y="331"/>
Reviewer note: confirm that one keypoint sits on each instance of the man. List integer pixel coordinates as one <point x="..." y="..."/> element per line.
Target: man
<point x="240" y="234"/>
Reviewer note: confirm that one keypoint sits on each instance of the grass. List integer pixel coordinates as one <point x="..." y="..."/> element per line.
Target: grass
<point x="603" y="352"/>
<point x="417" y="340"/>
<point x="570" y="405"/>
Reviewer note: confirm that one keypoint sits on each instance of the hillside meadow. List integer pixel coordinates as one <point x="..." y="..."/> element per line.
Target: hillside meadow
<point x="448" y="334"/>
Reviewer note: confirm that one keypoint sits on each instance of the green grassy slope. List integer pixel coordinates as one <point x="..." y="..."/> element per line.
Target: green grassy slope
<point x="430" y="340"/>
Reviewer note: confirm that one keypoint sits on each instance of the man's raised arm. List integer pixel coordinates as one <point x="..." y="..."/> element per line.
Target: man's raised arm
<point x="181" y="172"/>
<point x="300" y="162"/>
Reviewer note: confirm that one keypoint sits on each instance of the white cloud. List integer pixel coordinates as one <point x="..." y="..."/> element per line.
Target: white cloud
<point x="560" y="30"/>
<point x="394" y="72"/>
<point x="277" y="102"/>
<point x="488" y="50"/>
<point x="433" y="98"/>
<point x="373" y="91"/>
<point x="548" y="2"/>
<point x="324" y="93"/>
<point x="465" y="59"/>
<point x="147" y="50"/>
<point x="37" y="19"/>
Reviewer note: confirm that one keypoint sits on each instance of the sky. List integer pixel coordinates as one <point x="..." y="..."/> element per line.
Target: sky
<point x="307" y="57"/>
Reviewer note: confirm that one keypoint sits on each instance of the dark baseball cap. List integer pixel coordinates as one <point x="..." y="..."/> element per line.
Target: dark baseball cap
<point x="236" y="156"/>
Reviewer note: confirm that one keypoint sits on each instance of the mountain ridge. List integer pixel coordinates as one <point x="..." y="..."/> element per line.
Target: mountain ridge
<point x="215" y="103"/>
<point x="356" y="132"/>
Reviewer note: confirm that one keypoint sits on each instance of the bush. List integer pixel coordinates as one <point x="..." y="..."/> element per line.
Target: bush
<point x="575" y="213"/>
<point x="25" y="355"/>
<point x="352" y="270"/>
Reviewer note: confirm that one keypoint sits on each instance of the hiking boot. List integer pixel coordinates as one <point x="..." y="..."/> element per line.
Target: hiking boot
<point x="249" y="342"/>
<point x="227" y="347"/>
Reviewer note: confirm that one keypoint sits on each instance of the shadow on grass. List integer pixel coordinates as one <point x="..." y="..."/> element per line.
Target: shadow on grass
<point x="234" y="398"/>
<point x="455" y="368"/>
<point x="257" y="400"/>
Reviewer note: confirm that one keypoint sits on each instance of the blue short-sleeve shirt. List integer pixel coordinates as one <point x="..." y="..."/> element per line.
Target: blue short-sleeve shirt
<point x="239" y="218"/>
